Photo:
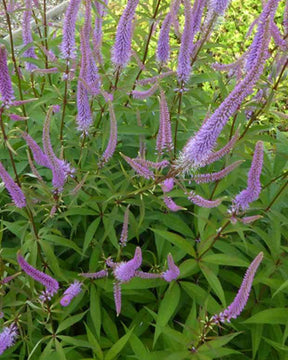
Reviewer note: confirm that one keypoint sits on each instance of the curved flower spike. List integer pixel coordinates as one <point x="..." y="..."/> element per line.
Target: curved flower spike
<point x="72" y="291"/>
<point x="98" y="275"/>
<point x="172" y="205"/>
<point x="200" y="201"/>
<point x="51" y="284"/>
<point x="125" y="271"/>
<point x="173" y="271"/>
<point x="14" y="190"/>
<point x="238" y="304"/>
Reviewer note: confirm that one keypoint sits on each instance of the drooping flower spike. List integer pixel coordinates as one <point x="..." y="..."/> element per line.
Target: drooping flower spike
<point x="50" y="284"/>
<point x="14" y="190"/>
<point x="238" y="304"/>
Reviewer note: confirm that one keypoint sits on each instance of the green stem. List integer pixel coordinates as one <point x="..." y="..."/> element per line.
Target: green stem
<point x="276" y="197"/>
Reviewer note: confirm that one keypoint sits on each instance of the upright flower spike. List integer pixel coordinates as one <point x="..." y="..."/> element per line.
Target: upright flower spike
<point x="200" y="146"/>
<point x="173" y="271"/>
<point x="112" y="143"/>
<point x="7" y="337"/>
<point x="163" y="48"/>
<point x="6" y="90"/>
<point x="60" y="169"/>
<point x="27" y="35"/>
<point x="184" y="58"/>
<point x="98" y="33"/>
<point x="122" y="48"/>
<point x="73" y="290"/>
<point x="251" y="193"/>
<point x="219" y="6"/>
<point x="238" y="304"/>
<point x="51" y="284"/>
<point x="14" y="190"/>
<point x="124" y="232"/>
<point x="68" y="40"/>
<point x="164" y="137"/>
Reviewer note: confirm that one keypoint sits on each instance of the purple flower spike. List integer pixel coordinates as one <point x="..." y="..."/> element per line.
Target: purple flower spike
<point x="72" y="291"/>
<point x="171" y="204"/>
<point x="204" y="178"/>
<point x="219" y="6"/>
<point x="113" y="136"/>
<point x="124" y="232"/>
<point x="152" y="164"/>
<point x="167" y="185"/>
<point x="27" y="35"/>
<point x="144" y="94"/>
<point x="200" y="201"/>
<point x="251" y="193"/>
<point x="173" y="271"/>
<point x="125" y="271"/>
<point x="164" y="137"/>
<point x="14" y="190"/>
<point x="98" y="33"/>
<point x="238" y="304"/>
<point x="250" y="219"/>
<point x="84" y="116"/>
<point x="51" y="284"/>
<point x="6" y="90"/>
<point x="140" y="169"/>
<point x="7" y="337"/>
<point x="184" y="66"/>
<point x="122" y="48"/>
<point x="147" y="275"/>
<point x="68" y="41"/>
<point x="38" y="155"/>
<point x="98" y="275"/>
<point x="163" y="48"/>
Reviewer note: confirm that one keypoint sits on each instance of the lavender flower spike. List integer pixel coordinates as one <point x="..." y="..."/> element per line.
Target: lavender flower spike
<point x="173" y="271"/>
<point x="113" y="136"/>
<point x="6" y="90"/>
<point x="141" y="170"/>
<point x="200" y="201"/>
<point x="163" y="48"/>
<point x="184" y="66"/>
<point x="72" y="291"/>
<point x="251" y="193"/>
<point x="51" y="284"/>
<point x="68" y="41"/>
<point x="171" y="205"/>
<point x="7" y="337"/>
<point x="238" y="304"/>
<point x="219" y="6"/>
<point x="137" y="94"/>
<point x="117" y="297"/>
<point x="98" y="275"/>
<point x="167" y="185"/>
<point x="14" y="190"/>
<point x="124" y="232"/>
<point x="125" y="271"/>
<point x="164" y="137"/>
<point x="27" y="35"/>
<point x="122" y="48"/>
<point x="38" y="155"/>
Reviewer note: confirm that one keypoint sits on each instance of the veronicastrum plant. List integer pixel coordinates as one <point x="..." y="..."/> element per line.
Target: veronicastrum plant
<point x="115" y="242"/>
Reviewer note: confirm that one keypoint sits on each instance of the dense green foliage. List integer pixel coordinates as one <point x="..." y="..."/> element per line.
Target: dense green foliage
<point x="158" y="320"/>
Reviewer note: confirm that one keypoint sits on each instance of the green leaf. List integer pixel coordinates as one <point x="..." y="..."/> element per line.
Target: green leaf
<point x="269" y="316"/>
<point x="224" y="259"/>
<point x="69" y="322"/>
<point x="60" y="241"/>
<point x="95" y="345"/>
<point x="213" y="282"/>
<point x="90" y="233"/>
<point x="95" y="310"/>
<point x="167" y="308"/>
<point x="177" y="240"/>
<point x="118" y="346"/>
